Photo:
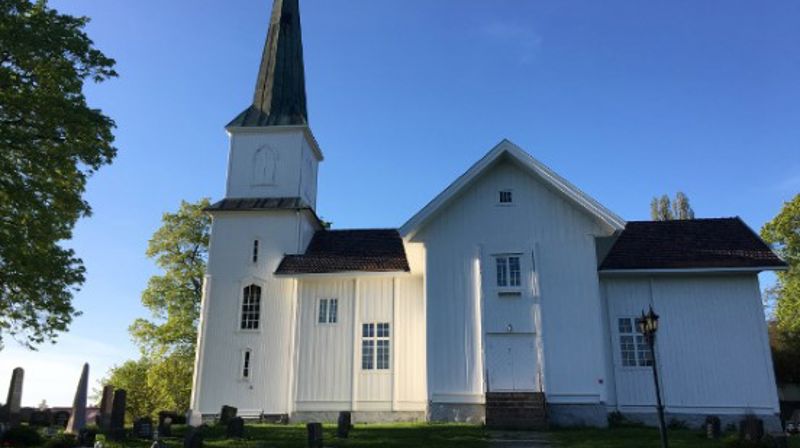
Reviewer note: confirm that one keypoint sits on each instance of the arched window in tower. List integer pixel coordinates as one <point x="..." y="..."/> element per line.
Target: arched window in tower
<point x="265" y="166"/>
<point x="251" y="307"/>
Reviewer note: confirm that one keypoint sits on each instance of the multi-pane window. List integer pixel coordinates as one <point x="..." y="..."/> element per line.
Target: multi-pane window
<point x="509" y="272"/>
<point x="255" y="251"/>
<point x="632" y="345"/>
<point x="375" y="351"/>
<point x="251" y="307"/>
<point x="328" y="311"/>
<point x="246" y="364"/>
<point x="506" y="197"/>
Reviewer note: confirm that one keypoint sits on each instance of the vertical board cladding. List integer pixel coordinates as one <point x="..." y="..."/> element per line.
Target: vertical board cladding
<point x="474" y="227"/>
<point x="326" y="353"/>
<point x="230" y="269"/>
<point x="712" y="343"/>
<point x="265" y="164"/>
<point x="324" y="350"/>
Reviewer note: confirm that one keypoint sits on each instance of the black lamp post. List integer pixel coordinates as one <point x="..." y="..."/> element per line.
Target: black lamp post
<point x="648" y="325"/>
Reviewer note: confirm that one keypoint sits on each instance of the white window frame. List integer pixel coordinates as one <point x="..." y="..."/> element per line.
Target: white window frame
<point x="372" y="337"/>
<point x="328" y="311"/>
<point x="246" y="366"/>
<point x="639" y="349"/>
<point x="503" y="275"/>
<point x="500" y="193"/>
<point x="242" y="321"/>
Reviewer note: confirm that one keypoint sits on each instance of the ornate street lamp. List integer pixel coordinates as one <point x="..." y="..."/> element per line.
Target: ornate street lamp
<point x="648" y="326"/>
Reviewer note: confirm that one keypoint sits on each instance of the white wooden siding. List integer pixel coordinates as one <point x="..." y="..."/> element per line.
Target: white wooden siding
<point x="712" y="343"/>
<point x="571" y="333"/>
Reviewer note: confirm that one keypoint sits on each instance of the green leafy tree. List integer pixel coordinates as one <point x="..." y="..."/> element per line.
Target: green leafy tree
<point x="167" y="340"/>
<point x="51" y="142"/>
<point x="133" y="376"/>
<point x="783" y="233"/>
<point x="664" y="209"/>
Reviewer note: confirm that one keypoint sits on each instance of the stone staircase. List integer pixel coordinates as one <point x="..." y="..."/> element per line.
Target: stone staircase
<point x="516" y="410"/>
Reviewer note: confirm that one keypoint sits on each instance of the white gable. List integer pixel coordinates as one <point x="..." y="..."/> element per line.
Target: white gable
<point x="538" y="169"/>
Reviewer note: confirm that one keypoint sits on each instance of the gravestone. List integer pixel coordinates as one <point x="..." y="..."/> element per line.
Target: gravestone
<point x="314" y="435"/>
<point x="226" y="414"/>
<point x="235" y="428"/>
<point x="60" y="418"/>
<point x="86" y="437"/>
<point x="41" y="418"/>
<point x="117" y="429"/>
<point x="25" y="414"/>
<point x="165" y="421"/>
<point x="11" y="410"/>
<point x="345" y="423"/>
<point x="106" y="402"/>
<point x="194" y="438"/>
<point x="143" y="428"/>
<point x="158" y="444"/>
<point x="713" y="427"/>
<point x="751" y="428"/>
<point x="77" y="420"/>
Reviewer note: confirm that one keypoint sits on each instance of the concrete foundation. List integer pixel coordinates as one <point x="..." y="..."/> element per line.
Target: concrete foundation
<point x="457" y="412"/>
<point x="772" y="423"/>
<point x="577" y="415"/>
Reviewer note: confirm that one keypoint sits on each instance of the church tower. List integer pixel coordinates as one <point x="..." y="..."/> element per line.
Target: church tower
<point x="246" y="330"/>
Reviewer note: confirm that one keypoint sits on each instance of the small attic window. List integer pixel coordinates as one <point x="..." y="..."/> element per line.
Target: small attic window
<point x="505" y="197"/>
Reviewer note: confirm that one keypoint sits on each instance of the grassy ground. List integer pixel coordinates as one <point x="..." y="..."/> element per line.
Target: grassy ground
<point x="432" y="435"/>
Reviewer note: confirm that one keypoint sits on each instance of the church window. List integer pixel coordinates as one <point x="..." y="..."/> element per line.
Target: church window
<point x="251" y="307"/>
<point x="255" y="251"/>
<point x="328" y="311"/>
<point x="505" y="197"/>
<point x="632" y="345"/>
<point x="509" y="272"/>
<point x="375" y="346"/>
<point x="246" y="357"/>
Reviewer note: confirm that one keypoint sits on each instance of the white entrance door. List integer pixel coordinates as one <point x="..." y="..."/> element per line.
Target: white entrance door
<point x="511" y="362"/>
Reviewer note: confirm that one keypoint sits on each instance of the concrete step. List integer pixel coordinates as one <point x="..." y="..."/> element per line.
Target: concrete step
<point x="516" y="410"/>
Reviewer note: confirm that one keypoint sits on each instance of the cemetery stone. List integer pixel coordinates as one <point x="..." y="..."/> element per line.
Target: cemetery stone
<point x="61" y="418"/>
<point x="158" y="444"/>
<point x="345" y="423"/>
<point x="106" y="402"/>
<point x="41" y="418"/>
<point x="713" y="427"/>
<point x="77" y="420"/>
<point x="117" y="430"/>
<point x="751" y="428"/>
<point x="226" y="414"/>
<point x="11" y="411"/>
<point x="314" y="435"/>
<point x="235" y="428"/>
<point x="143" y="428"/>
<point x="165" y="420"/>
<point x="86" y="437"/>
<point x="194" y="438"/>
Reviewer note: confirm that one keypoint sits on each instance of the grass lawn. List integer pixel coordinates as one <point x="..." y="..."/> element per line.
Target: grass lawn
<point x="420" y="435"/>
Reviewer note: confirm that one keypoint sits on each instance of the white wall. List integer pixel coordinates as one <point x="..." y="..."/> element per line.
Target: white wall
<point x="473" y="225"/>
<point x="712" y="343"/>
<point x="329" y="355"/>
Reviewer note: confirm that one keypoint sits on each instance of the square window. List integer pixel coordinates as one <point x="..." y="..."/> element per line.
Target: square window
<point x="505" y="197"/>
<point x="383" y="330"/>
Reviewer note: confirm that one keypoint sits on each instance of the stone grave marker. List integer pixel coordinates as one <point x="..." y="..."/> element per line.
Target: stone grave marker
<point x="314" y="435"/>
<point x="106" y="403"/>
<point x="713" y="427"/>
<point x="60" y="418"/>
<point x="86" y="437"/>
<point x="165" y="421"/>
<point x="11" y="410"/>
<point x="344" y="424"/>
<point x="194" y="438"/>
<point x="41" y="418"/>
<point x="143" y="428"/>
<point x="226" y="414"/>
<point x="77" y="420"/>
<point x="117" y="429"/>
<point x="235" y="428"/>
<point x="751" y="428"/>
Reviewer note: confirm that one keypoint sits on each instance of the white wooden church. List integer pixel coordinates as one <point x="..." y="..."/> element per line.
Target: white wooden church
<point x="511" y="288"/>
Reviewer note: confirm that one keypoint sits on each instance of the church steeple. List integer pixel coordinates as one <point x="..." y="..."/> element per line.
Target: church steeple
<point x="280" y="96"/>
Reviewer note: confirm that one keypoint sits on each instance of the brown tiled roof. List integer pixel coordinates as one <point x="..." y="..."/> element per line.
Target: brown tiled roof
<point x="243" y="204"/>
<point x="689" y="244"/>
<point x="362" y="250"/>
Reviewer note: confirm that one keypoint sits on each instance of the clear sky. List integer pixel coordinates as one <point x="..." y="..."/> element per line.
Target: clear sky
<point x="626" y="99"/>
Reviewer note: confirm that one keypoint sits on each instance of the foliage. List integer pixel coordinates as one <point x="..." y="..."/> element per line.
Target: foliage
<point x="785" y="354"/>
<point x="663" y="209"/>
<point x="783" y="233"/>
<point x="62" y="441"/>
<point x="21" y="436"/>
<point x="162" y="378"/>
<point x="51" y="142"/>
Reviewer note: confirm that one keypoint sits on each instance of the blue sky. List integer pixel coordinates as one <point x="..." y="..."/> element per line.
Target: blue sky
<point x="625" y="99"/>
